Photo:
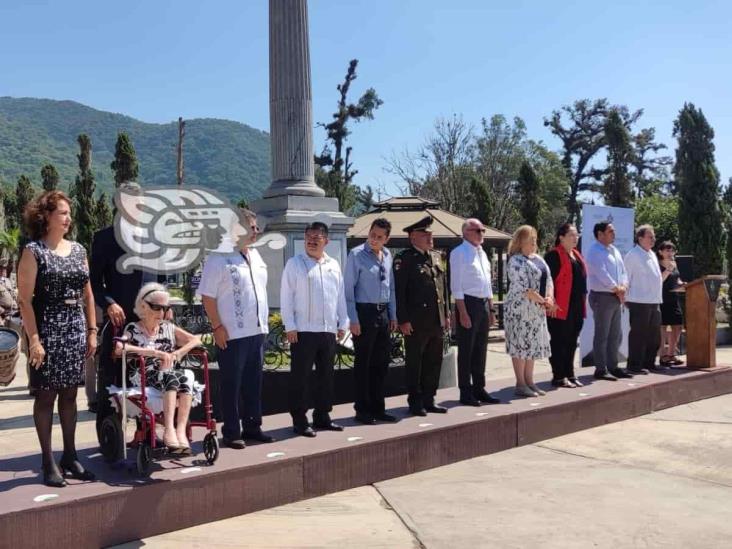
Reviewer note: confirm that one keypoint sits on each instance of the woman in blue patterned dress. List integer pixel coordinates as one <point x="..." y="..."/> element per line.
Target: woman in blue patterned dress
<point x="530" y="295"/>
<point x="57" y="306"/>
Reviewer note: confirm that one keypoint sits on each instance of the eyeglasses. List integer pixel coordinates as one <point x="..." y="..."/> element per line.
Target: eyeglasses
<point x="477" y="230"/>
<point x="315" y="237"/>
<point x="157" y="307"/>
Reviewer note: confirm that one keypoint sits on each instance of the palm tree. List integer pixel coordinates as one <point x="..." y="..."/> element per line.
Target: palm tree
<point x="9" y="245"/>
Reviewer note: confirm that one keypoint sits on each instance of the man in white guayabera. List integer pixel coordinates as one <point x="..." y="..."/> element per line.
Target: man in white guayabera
<point x="313" y="307"/>
<point x="233" y="290"/>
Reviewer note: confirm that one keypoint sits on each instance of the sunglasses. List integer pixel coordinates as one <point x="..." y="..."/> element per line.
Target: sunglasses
<point x="477" y="230"/>
<point x="382" y="272"/>
<point x="157" y="307"/>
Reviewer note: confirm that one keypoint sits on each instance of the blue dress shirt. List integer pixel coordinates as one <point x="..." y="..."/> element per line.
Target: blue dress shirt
<point x="368" y="280"/>
<point x="605" y="268"/>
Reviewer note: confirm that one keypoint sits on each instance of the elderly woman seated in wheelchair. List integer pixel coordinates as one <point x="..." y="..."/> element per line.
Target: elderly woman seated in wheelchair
<point x="163" y="345"/>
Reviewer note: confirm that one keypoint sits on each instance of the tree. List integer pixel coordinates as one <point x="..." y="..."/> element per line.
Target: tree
<point x="336" y="174"/>
<point x="727" y="204"/>
<point x="529" y="190"/>
<point x="10" y="244"/>
<point x="124" y="165"/>
<point x="501" y="149"/>
<point x="102" y="212"/>
<point x="84" y="210"/>
<point x="662" y="212"/>
<point x="616" y="189"/>
<point x="650" y="173"/>
<point x="482" y="201"/>
<point x="700" y="216"/>
<point x="49" y="177"/>
<point x="547" y="166"/>
<point x="24" y="193"/>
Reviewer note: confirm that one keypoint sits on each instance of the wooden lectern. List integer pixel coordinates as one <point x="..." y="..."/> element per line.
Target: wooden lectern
<point x="701" y="321"/>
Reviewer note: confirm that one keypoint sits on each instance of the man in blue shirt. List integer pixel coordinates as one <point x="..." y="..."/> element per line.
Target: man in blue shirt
<point x="607" y="281"/>
<point x="371" y="303"/>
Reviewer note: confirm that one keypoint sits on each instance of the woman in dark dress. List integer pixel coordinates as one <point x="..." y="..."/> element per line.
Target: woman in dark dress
<point x="570" y="288"/>
<point x="672" y="317"/>
<point x="57" y="307"/>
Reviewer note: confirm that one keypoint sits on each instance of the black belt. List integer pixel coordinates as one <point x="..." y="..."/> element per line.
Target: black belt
<point x="374" y="306"/>
<point x="603" y="293"/>
<point x="481" y="299"/>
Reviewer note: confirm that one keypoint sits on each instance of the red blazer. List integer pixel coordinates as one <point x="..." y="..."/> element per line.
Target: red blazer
<point x="563" y="281"/>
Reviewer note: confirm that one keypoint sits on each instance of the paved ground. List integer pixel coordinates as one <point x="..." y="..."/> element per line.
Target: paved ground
<point x="663" y="480"/>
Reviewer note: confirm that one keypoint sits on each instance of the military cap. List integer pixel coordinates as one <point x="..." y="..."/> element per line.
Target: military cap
<point x="421" y="225"/>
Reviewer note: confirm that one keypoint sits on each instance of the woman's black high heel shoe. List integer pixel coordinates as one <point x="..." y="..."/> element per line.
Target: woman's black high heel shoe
<point x="75" y="469"/>
<point x="52" y="478"/>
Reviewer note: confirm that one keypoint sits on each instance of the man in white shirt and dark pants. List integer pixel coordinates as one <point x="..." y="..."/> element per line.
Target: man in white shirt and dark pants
<point x="233" y="289"/>
<point x="470" y="284"/>
<point x="313" y="308"/>
<point x="643" y="300"/>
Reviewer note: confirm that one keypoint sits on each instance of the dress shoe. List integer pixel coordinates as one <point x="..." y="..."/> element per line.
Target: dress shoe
<point x="660" y="368"/>
<point x="52" y="477"/>
<point x="365" y="419"/>
<point x="304" y="431"/>
<point x="328" y="426"/>
<point x="470" y="401"/>
<point x="236" y="444"/>
<point x="75" y="469"/>
<point x="388" y="418"/>
<point x="676" y="361"/>
<point x="415" y="411"/>
<point x="607" y="376"/>
<point x="639" y="371"/>
<point x="485" y="396"/>
<point x="435" y="409"/>
<point x="258" y="436"/>
<point x="620" y="373"/>
<point x="576" y="381"/>
<point x="523" y="390"/>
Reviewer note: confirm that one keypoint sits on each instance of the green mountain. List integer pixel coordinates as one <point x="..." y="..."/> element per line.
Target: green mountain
<point x="229" y="157"/>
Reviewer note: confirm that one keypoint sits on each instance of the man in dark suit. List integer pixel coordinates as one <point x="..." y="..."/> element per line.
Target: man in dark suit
<point x="422" y="314"/>
<point x="115" y="293"/>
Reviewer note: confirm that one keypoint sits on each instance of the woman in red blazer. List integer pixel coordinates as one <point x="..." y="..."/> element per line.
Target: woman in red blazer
<point x="570" y="289"/>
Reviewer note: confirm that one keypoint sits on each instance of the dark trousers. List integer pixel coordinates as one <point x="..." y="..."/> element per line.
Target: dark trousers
<point x="608" y="331"/>
<point x="564" y="334"/>
<point x="472" y="347"/>
<point x="312" y="348"/>
<point x="372" y="350"/>
<point x="240" y="367"/>
<point x="644" y="338"/>
<point x="423" y="360"/>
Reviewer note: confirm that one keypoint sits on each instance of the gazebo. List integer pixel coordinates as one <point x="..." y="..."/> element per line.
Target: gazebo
<point x="402" y="211"/>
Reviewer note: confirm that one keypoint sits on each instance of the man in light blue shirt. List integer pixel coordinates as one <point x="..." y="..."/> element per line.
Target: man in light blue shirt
<point x="607" y="281"/>
<point x="371" y="304"/>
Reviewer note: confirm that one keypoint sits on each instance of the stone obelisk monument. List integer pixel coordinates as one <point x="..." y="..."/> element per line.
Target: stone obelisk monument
<point x="293" y="199"/>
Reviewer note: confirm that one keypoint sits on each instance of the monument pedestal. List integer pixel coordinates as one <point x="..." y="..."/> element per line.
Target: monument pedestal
<point x="288" y="215"/>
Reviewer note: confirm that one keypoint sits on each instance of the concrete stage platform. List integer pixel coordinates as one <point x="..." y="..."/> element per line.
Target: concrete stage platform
<point x="120" y="507"/>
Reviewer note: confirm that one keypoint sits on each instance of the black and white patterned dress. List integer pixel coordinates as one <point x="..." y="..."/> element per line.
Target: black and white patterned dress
<point x="527" y="335"/>
<point x="57" y="304"/>
<point x="174" y="379"/>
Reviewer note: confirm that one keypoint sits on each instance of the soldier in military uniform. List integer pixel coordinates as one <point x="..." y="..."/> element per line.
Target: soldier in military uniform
<point x="422" y="314"/>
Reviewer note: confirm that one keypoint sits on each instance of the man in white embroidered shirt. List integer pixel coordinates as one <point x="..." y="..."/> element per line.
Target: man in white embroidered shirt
<point x="470" y="284"/>
<point x="313" y="308"/>
<point x="643" y="299"/>
<point x="233" y="289"/>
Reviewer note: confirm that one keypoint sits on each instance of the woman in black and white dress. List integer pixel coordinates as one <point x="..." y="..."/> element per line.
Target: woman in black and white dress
<point x="163" y="345"/>
<point x="57" y="307"/>
<point x="530" y="295"/>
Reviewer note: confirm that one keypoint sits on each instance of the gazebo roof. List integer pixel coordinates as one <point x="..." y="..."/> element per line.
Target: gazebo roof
<point x="404" y="210"/>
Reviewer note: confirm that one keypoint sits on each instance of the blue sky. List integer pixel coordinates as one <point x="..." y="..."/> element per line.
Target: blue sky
<point x="158" y="60"/>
